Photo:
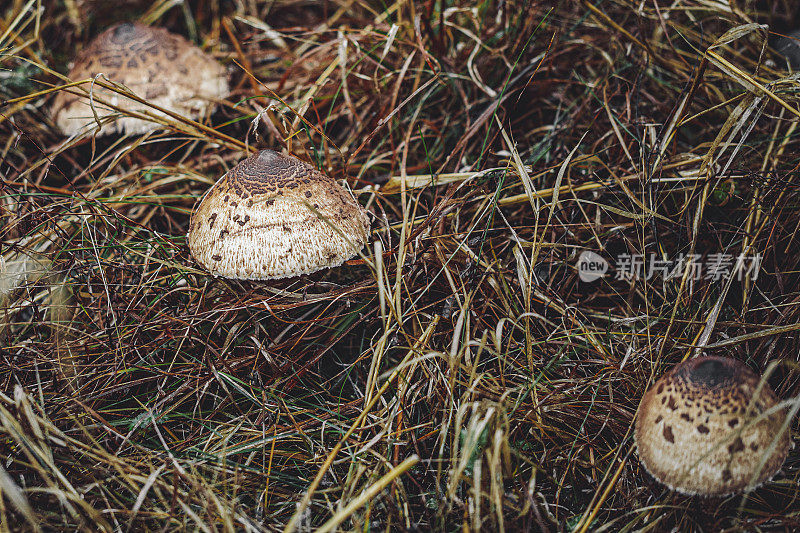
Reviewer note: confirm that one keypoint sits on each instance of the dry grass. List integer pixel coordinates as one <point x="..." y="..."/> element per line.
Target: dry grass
<point x="460" y="375"/>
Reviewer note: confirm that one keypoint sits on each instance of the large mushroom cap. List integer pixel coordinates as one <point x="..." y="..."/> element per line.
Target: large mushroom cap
<point x="700" y="429"/>
<point x="274" y="216"/>
<point x="163" y="68"/>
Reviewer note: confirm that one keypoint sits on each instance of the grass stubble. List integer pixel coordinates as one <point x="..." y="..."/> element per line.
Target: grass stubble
<point x="457" y="375"/>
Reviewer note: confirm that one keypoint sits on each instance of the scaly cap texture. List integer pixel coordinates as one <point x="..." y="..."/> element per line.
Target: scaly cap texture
<point x="698" y="429"/>
<point x="274" y="216"/>
<point x="163" y="68"/>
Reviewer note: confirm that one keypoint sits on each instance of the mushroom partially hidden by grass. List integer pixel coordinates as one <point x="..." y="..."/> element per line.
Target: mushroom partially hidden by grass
<point x="702" y="428"/>
<point x="160" y="67"/>
<point x="274" y="216"/>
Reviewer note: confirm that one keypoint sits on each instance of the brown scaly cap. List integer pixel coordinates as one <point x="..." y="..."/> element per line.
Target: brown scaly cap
<point x="698" y="429"/>
<point x="274" y="216"/>
<point x="158" y="66"/>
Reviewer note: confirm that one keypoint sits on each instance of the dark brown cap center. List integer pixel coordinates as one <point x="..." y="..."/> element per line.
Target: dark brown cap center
<point x="123" y="33"/>
<point x="709" y="372"/>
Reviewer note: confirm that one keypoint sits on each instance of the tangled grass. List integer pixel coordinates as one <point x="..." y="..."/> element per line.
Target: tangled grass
<point x="459" y="375"/>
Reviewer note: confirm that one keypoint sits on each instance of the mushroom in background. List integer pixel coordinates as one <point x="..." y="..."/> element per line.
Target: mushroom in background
<point x="701" y="430"/>
<point x="275" y="216"/>
<point x="163" y="68"/>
